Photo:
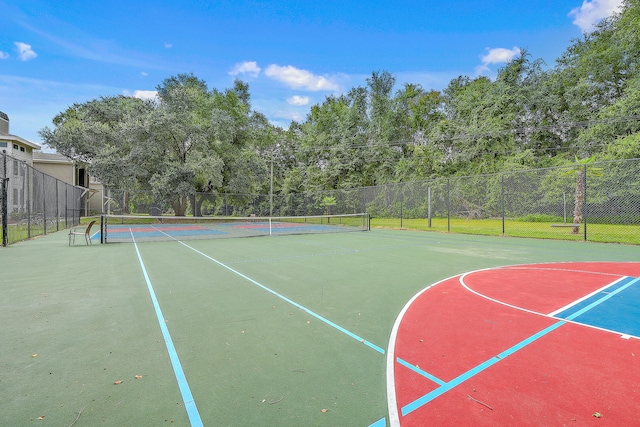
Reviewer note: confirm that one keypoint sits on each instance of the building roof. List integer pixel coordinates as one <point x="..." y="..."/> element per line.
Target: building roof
<point x="41" y="157"/>
<point x="15" y="138"/>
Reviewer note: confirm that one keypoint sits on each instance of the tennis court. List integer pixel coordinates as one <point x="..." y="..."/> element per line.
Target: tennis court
<point x="293" y="330"/>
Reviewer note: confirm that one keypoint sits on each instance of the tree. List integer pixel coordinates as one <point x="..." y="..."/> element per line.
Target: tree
<point x="98" y="134"/>
<point x="189" y="139"/>
<point x="176" y="137"/>
<point x="327" y="202"/>
<point x="95" y="131"/>
<point x="615" y="129"/>
<point x="474" y="134"/>
<point x="580" y="170"/>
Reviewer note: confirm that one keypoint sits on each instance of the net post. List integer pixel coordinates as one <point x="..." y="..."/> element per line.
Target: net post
<point x="103" y="227"/>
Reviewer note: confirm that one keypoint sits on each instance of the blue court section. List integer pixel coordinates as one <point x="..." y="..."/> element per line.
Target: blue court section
<point x="118" y="232"/>
<point x="616" y="308"/>
<point x="158" y="231"/>
<point x="284" y="228"/>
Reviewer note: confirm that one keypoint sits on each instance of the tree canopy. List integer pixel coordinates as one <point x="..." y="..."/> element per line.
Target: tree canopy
<point x="192" y="138"/>
<point x="189" y="139"/>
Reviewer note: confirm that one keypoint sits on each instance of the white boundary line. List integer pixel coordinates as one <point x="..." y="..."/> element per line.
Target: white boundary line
<point x="578" y="301"/>
<point x="394" y="419"/>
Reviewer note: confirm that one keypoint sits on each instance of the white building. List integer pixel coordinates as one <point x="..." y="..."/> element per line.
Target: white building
<point x="13" y="145"/>
<point x="23" y="154"/>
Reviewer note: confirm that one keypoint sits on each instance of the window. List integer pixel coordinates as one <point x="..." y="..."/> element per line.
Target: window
<point x="81" y="178"/>
<point x="22" y="149"/>
<point x="15" y="167"/>
<point x="15" y="146"/>
<point x="3" y="143"/>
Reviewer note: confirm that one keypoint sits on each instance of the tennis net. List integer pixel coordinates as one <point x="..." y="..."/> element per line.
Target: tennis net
<point x="145" y="228"/>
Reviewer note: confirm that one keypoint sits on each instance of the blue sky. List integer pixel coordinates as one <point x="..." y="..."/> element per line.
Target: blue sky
<point x="291" y="53"/>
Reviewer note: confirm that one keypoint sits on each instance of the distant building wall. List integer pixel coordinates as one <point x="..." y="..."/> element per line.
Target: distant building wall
<point x="61" y="170"/>
<point x="66" y="170"/>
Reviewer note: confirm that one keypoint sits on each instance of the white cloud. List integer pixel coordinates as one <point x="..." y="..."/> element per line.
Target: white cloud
<point x="299" y="79"/>
<point x="144" y="73"/>
<point x="150" y="95"/>
<point x="298" y="100"/>
<point x="168" y="45"/>
<point x="286" y="116"/>
<point x="3" y="55"/>
<point x="498" y="55"/>
<point x="248" y="67"/>
<point x="25" y="52"/>
<point x="592" y="12"/>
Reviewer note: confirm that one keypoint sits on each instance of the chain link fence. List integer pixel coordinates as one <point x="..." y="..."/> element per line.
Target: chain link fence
<point x="33" y="203"/>
<point x="595" y="202"/>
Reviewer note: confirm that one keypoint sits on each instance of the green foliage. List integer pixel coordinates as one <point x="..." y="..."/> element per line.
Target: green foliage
<point x="190" y="139"/>
<point x="328" y="201"/>
<point x="530" y="116"/>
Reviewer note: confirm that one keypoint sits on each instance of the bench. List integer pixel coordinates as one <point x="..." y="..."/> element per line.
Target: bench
<point x="565" y="225"/>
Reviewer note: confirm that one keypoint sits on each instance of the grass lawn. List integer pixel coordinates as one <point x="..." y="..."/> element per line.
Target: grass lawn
<point x="608" y="233"/>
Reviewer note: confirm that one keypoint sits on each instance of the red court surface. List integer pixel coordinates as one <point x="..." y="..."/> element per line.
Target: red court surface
<point x="489" y="348"/>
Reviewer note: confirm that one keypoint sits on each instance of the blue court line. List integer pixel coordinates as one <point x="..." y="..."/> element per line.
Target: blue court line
<point x="420" y="371"/>
<point x="380" y="423"/>
<point x="598" y="301"/>
<point x="187" y="397"/>
<point x="472" y="372"/>
<point x="295" y="304"/>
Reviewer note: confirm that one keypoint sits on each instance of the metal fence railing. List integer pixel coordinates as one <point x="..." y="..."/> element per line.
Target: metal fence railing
<point x="596" y="202"/>
<point x="33" y="203"/>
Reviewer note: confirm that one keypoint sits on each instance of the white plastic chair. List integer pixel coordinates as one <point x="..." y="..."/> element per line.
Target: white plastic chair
<point x="81" y="231"/>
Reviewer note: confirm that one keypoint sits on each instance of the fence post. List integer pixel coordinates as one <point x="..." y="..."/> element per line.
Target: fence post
<point x="429" y="204"/>
<point x="584" y="202"/>
<point x="57" y="208"/>
<point x="502" y="200"/>
<point x="66" y="206"/>
<point x="29" y="173"/>
<point x="449" y="205"/>
<point x="402" y="188"/>
<point x="3" y="196"/>
<point x="44" y="203"/>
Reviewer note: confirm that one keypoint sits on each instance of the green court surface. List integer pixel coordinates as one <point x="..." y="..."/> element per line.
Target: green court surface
<point x="269" y="331"/>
